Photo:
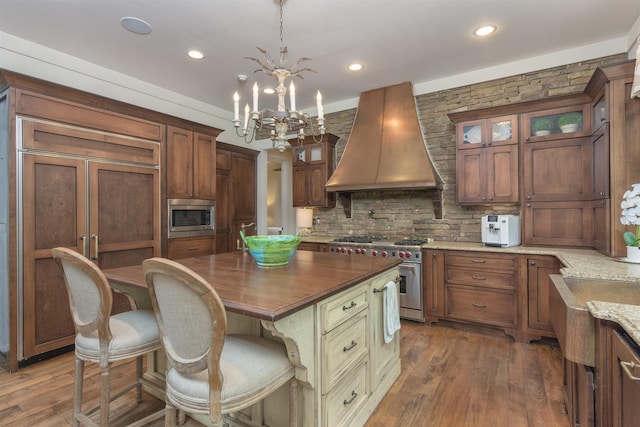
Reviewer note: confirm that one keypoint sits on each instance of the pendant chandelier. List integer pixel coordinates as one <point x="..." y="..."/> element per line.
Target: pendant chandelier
<point x="280" y="122"/>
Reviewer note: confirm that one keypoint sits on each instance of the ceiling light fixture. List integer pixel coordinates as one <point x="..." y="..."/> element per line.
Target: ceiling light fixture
<point x="355" y="67"/>
<point x="485" y="30"/>
<point x="282" y="121"/>
<point x="195" y="54"/>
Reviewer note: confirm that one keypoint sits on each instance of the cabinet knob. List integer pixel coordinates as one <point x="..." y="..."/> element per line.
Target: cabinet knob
<point x="434" y="254"/>
<point x="527" y="139"/>
<point x="483" y="198"/>
<point x="528" y="197"/>
<point x="490" y="198"/>
<point x="532" y="263"/>
<point x="602" y="119"/>
<point x="602" y="193"/>
<point x="602" y="203"/>
<point x="528" y="205"/>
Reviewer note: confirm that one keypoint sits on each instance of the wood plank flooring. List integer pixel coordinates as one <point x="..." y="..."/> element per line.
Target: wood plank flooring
<point x="451" y="376"/>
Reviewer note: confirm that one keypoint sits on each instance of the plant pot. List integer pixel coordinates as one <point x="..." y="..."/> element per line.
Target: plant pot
<point x="633" y="254"/>
<point x="542" y="132"/>
<point x="571" y="127"/>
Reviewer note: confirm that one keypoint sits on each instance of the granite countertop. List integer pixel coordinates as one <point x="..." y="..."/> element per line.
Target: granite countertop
<point x="578" y="263"/>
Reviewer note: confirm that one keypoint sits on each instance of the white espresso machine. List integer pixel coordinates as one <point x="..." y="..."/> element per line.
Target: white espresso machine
<point x="501" y="230"/>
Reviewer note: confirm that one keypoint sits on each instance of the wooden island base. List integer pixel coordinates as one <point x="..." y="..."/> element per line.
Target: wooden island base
<point x="328" y="311"/>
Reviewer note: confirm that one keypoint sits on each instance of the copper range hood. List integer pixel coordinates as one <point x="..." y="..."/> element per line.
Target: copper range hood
<point x="386" y="149"/>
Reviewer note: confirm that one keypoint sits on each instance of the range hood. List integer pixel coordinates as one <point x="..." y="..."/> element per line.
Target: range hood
<point x="386" y="149"/>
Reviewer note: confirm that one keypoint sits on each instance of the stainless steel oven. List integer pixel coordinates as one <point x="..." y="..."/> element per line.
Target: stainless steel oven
<point x="190" y="218"/>
<point x="409" y="251"/>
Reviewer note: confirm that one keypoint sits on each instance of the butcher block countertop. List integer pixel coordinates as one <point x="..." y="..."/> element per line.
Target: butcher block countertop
<point x="271" y="293"/>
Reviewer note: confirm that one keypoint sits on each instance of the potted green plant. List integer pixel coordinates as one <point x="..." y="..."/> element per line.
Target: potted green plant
<point x="631" y="216"/>
<point x="569" y="122"/>
<point x="542" y="127"/>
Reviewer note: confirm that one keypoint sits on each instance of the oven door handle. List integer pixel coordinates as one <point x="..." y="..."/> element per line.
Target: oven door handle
<point x="413" y="266"/>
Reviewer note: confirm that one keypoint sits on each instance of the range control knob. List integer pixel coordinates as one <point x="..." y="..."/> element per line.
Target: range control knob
<point x="363" y="251"/>
<point x="349" y="251"/>
<point x="407" y="255"/>
<point x="374" y="253"/>
<point x="384" y="254"/>
<point x="401" y="254"/>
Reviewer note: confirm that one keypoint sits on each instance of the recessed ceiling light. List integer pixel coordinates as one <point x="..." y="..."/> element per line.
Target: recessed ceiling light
<point x="269" y="91"/>
<point x="355" y="67"/>
<point x="485" y="30"/>
<point x="195" y="54"/>
<point x="135" y="25"/>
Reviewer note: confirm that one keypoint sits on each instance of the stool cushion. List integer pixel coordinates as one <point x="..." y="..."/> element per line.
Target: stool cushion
<point x="247" y="363"/>
<point x="133" y="332"/>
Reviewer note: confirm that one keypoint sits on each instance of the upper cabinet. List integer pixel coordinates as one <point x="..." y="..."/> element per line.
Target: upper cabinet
<point x="191" y="164"/>
<point x="312" y="166"/>
<point x="487" y="160"/>
<point x="557" y="123"/>
<point x="488" y="132"/>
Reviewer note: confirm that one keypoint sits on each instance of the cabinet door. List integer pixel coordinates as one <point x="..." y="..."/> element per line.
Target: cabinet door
<point x="625" y="382"/>
<point x="317" y="179"/>
<point x="179" y="163"/>
<point x="124" y="214"/>
<point x="243" y="179"/>
<point x="433" y="278"/>
<point x="539" y="269"/>
<point x="552" y="124"/>
<point x="300" y="186"/>
<point x="558" y="170"/>
<point x="502" y="174"/>
<point x="54" y="201"/>
<point x="471" y="176"/>
<point x="600" y="163"/>
<point x="601" y="232"/>
<point x="600" y="109"/>
<point x="204" y="167"/>
<point x="558" y="223"/>
<point x="471" y="134"/>
<point x="502" y="130"/>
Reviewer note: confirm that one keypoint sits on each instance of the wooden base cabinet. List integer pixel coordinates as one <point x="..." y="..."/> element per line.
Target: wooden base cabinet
<point x="618" y="376"/>
<point x="579" y="393"/>
<point x="538" y="270"/>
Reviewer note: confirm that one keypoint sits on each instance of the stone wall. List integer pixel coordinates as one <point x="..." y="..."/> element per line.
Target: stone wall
<point x="410" y="213"/>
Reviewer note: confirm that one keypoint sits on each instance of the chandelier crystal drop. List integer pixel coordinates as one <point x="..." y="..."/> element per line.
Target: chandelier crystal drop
<point x="280" y="122"/>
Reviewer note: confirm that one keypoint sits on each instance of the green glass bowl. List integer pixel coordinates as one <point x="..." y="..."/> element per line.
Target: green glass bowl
<point x="271" y="251"/>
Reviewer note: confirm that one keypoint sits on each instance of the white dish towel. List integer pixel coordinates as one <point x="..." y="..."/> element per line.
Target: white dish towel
<point x="391" y="311"/>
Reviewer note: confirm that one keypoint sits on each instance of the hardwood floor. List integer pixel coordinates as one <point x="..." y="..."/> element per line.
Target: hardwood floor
<point x="450" y="377"/>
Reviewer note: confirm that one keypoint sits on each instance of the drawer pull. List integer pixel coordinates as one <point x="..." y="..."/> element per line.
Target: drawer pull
<point x="192" y="249"/>
<point x="345" y="308"/>
<point x="479" y="261"/>
<point x="351" y="346"/>
<point x="351" y="399"/>
<point x="479" y="305"/>
<point x="626" y="366"/>
<point x="475" y="276"/>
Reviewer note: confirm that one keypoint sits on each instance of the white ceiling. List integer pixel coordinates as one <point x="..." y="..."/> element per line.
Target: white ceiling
<point x="421" y="41"/>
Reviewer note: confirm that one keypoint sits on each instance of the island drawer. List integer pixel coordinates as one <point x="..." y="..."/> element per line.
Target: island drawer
<point x="483" y="278"/>
<point x="481" y="260"/>
<point x="341" y="404"/>
<point x="343" y="306"/>
<point x="482" y="306"/>
<point x="342" y="348"/>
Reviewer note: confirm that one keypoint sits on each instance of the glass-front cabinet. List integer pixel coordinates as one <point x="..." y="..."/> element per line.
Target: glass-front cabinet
<point x="486" y="132"/>
<point x="557" y="123"/>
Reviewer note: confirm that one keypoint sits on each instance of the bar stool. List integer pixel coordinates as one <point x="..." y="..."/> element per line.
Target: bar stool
<point x="100" y="337"/>
<point x="211" y="373"/>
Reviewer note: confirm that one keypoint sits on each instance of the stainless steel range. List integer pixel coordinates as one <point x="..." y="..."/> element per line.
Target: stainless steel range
<point x="409" y="250"/>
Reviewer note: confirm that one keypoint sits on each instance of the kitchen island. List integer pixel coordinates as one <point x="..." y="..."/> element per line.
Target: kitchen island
<point x="327" y="310"/>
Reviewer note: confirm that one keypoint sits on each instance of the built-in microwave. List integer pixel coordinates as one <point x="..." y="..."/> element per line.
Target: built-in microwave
<point x="190" y="218"/>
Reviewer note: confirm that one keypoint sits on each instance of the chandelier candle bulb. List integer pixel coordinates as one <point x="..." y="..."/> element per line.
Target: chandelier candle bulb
<point x="255" y="97"/>
<point x="292" y="96"/>
<point x="246" y="118"/>
<point x="236" y="107"/>
<point x="320" y="109"/>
